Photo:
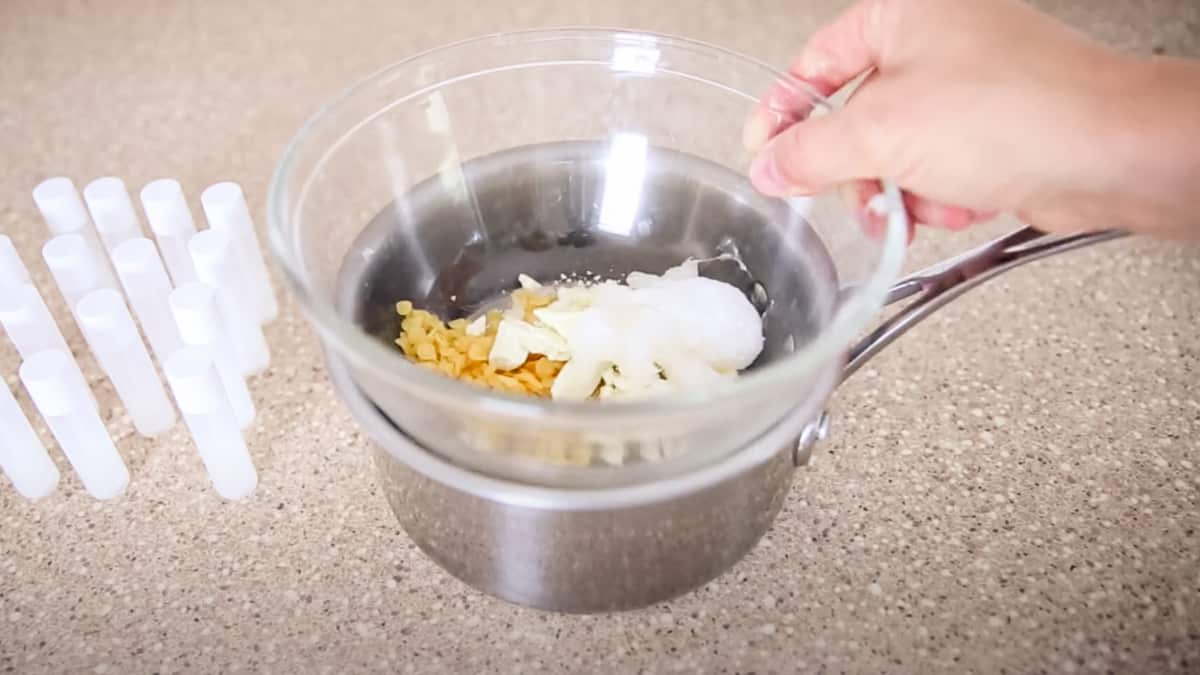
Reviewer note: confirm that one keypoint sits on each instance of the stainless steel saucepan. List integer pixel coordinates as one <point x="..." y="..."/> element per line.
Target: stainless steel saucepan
<point x="621" y="548"/>
<point x="583" y="153"/>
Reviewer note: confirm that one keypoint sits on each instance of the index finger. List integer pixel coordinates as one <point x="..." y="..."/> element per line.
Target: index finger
<point x="835" y="55"/>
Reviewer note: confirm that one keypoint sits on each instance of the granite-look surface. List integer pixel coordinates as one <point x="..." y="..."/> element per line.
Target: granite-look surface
<point x="1012" y="487"/>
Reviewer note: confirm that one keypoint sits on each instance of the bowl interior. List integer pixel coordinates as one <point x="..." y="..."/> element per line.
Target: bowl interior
<point x="540" y="210"/>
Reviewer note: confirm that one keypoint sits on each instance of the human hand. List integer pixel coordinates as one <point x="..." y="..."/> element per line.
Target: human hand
<point x="980" y="107"/>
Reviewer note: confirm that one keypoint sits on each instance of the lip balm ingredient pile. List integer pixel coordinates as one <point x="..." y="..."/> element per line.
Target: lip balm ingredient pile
<point x="648" y="336"/>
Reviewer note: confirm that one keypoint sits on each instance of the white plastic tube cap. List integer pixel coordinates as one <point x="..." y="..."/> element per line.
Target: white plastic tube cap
<point x="226" y="210"/>
<point x="61" y="207"/>
<point x="114" y="340"/>
<point x="57" y="388"/>
<point x="148" y="288"/>
<point x="77" y="267"/>
<point x="201" y="397"/>
<point x="28" y="321"/>
<point x="112" y="211"/>
<point x="217" y="266"/>
<point x="194" y="307"/>
<point x="171" y="221"/>
<point x="12" y="270"/>
<point x="50" y="378"/>
<point x="22" y="456"/>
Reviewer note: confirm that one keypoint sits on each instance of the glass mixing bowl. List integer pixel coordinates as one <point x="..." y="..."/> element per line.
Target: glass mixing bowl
<point x="566" y="152"/>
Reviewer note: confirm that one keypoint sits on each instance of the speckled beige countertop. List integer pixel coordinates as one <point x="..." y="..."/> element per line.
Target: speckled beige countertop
<point x="1013" y="487"/>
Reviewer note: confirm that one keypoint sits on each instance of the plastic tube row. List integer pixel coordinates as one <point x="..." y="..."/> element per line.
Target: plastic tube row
<point x="200" y="298"/>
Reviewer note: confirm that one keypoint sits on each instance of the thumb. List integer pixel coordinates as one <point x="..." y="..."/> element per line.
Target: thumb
<point x="812" y="156"/>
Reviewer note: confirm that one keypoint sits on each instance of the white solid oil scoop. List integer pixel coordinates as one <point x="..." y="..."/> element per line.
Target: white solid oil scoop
<point x="58" y="390"/>
<point x="22" y="456"/>
<point x="171" y="221"/>
<point x="78" y="268"/>
<point x="201" y="398"/>
<point x="114" y="340"/>
<point x="148" y="288"/>
<point x="226" y="210"/>
<point x="112" y="211"/>
<point x="28" y="321"/>
<point x="12" y="269"/>
<point x="217" y="266"/>
<point x="194" y="307"/>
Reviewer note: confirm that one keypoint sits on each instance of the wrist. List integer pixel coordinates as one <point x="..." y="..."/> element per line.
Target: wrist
<point x="1152" y="132"/>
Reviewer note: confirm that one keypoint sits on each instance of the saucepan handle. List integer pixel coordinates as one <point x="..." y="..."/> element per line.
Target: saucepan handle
<point x="939" y="284"/>
<point x="935" y="286"/>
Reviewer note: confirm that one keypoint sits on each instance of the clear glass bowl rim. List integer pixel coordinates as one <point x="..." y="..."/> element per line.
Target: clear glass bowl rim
<point x="362" y="350"/>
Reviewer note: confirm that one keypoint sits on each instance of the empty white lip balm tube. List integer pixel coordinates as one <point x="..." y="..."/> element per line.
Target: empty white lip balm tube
<point x="148" y="288"/>
<point x="77" y="268"/>
<point x="114" y="340"/>
<point x="201" y="398"/>
<point x="60" y="205"/>
<point x="217" y="266"/>
<point x="31" y="327"/>
<point x="64" y="213"/>
<point x="22" y="455"/>
<point x="12" y="269"/>
<point x="56" y="387"/>
<point x="171" y="221"/>
<point x="112" y="211"/>
<point x="28" y="321"/>
<point x="195" y="309"/>
<point x="225" y="209"/>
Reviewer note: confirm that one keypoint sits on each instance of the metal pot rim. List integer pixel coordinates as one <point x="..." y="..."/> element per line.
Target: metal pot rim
<point x="782" y="437"/>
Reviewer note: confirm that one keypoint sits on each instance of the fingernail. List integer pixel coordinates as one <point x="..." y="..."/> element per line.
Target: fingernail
<point x="756" y="132"/>
<point x="766" y="176"/>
